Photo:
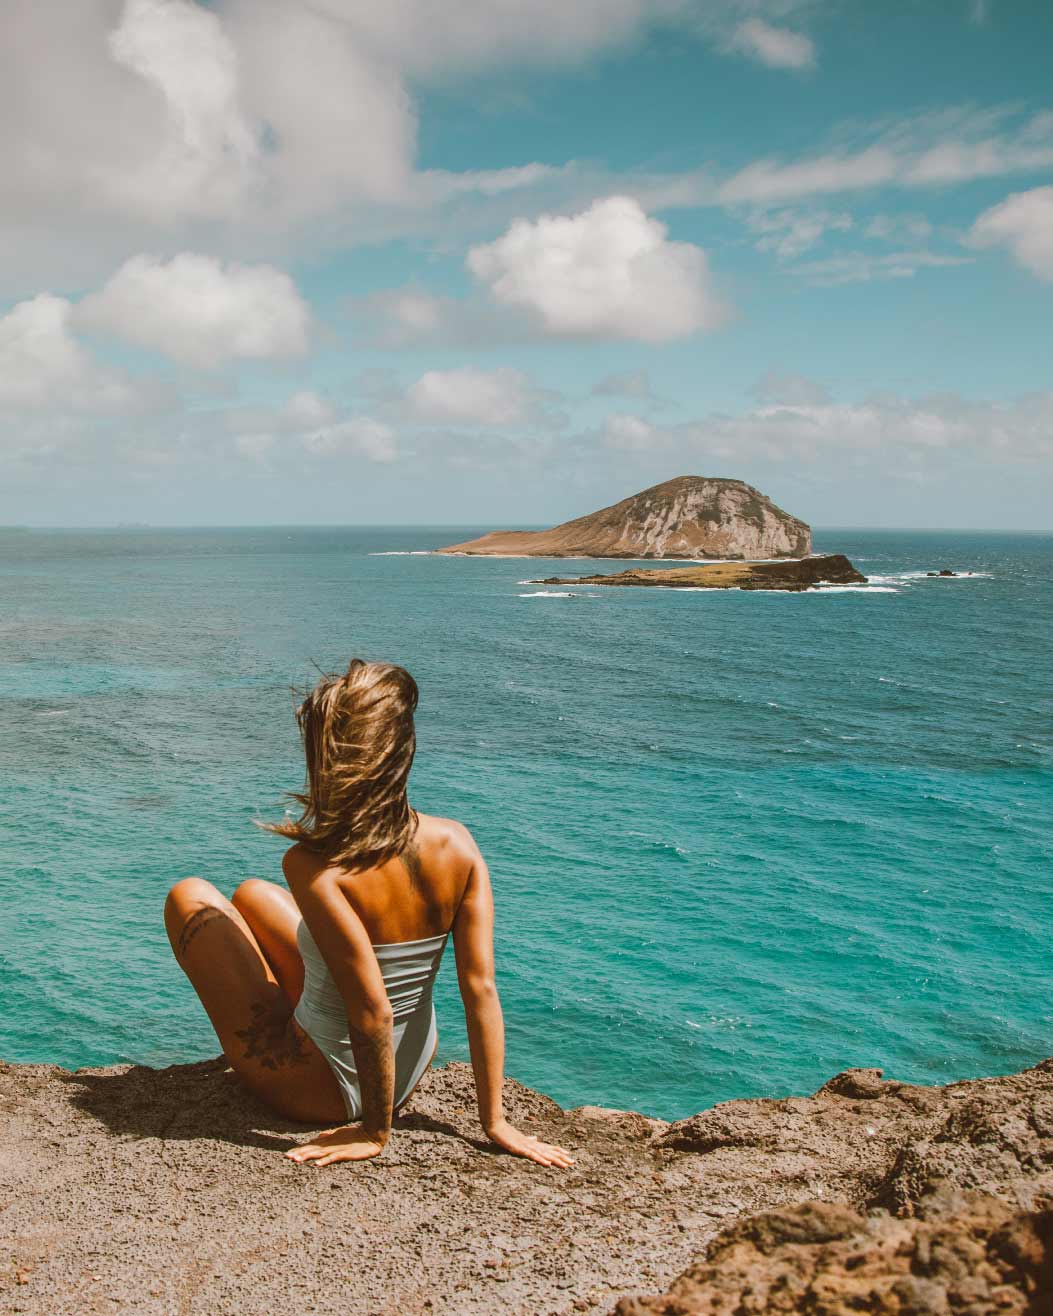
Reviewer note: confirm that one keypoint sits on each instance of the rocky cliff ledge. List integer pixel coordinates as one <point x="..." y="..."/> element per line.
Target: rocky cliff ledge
<point x="689" y="517"/>
<point x="165" y="1191"/>
<point x="833" y="569"/>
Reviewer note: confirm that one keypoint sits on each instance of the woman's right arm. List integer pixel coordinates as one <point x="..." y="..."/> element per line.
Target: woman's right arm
<point x="473" y="940"/>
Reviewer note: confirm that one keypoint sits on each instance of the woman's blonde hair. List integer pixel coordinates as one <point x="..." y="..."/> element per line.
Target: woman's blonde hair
<point x="359" y="740"/>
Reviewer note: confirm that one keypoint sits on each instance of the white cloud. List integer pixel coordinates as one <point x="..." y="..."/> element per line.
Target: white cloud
<point x="474" y="397"/>
<point x="778" y="47"/>
<point x="863" y="267"/>
<point x="178" y="121"/>
<point x="768" y="181"/>
<point x="608" y="272"/>
<point x="630" y="433"/>
<point x="879" y="432"/>
<point x="360" y="435"/>
<point x="951" y="147"/>
<point x="482" y="33"/>
<point x="790" y="233"/>
<point x="250" y="126"/>
<point x="208" y="155"/>
<point x="43" y="367"/>
<point x="1023" y="222"/>
<point x="199" y="311"/>
<point x="897" y="228"/>
<point x="307" y="408"/>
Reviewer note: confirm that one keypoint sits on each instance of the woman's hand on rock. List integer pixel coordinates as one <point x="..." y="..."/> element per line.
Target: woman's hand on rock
<point x="522" y="1144"/>
<point x="350" y="1142"/>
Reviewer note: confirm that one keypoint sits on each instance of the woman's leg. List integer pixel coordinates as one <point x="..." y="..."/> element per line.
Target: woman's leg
<point x="273" y="917"/>
<point x="249" y="1010"/>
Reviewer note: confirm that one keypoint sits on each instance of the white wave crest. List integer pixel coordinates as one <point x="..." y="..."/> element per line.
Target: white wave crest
<point x="853" y="589"/>
<point x="548" y="594"/>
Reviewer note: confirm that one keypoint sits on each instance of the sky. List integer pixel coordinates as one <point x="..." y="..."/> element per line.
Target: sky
<point x="502" y="262"/>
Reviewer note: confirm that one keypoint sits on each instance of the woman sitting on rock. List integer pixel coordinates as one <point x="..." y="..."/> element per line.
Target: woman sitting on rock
<point x="322" y="998"/>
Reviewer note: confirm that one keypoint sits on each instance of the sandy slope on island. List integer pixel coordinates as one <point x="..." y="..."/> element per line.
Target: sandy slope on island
<point x="789" y="575"/>
<point x="692" y="516"/>
<point x="162" y="1191"/>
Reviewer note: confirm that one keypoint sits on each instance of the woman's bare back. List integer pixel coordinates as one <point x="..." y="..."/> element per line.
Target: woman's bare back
<point x="411" y="896"/>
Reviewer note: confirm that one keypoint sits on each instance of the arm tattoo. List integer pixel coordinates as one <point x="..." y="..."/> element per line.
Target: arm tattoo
<point x="375" y="1061"/>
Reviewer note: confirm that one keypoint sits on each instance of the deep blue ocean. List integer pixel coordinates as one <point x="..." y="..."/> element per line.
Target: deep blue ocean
<point x="739" y="841"/>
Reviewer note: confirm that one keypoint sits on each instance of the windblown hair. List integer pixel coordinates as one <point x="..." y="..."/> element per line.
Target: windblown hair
<point x="359" y="740"/>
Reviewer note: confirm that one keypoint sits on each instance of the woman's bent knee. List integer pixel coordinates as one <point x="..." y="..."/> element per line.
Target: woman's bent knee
<point x="191" y="892"/>
<point x="187" y="898"/>
<point x="252" y="891"/>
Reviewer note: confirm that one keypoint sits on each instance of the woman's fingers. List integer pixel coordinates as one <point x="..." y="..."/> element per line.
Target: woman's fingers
<point x="546" y="1154"/>
<point x="306" y="1153"/>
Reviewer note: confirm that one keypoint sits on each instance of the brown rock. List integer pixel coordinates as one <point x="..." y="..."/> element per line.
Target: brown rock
<point x="161" y="1191"/>
<point x="833" y="569"/>
<point x="970" y="1256"/>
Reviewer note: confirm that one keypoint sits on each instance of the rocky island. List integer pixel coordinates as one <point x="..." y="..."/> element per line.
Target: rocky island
<point x="833" y="569"/>
<point x="689" y="517"/>
<point x="165" y="1191"/>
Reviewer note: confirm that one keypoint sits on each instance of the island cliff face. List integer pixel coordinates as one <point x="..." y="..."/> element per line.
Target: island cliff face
<point x="689" y="517"/>
<point x="165" y="1192"/>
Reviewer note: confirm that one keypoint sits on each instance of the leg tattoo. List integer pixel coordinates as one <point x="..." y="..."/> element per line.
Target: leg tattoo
<point x="195" y="923"/>
<point x="269" y="1038"/>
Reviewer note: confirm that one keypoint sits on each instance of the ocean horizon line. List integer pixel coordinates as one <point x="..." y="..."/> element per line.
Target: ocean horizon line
<point x="110" y="526"/>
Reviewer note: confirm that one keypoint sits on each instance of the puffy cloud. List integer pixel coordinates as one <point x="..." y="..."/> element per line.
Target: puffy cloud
<point x="207" y="154"/>
<point x="199" y="311"/>
<point x="1023" y="222"/>
<point x="475" y="397"/>
<point x="778" y="47"/>
<point x="42" y="366"/>
<point x="608" y="272"/>
<point x="250" y="114"/>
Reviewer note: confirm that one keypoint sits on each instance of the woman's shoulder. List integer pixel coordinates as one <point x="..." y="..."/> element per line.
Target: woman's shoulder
<point x="302" y="864"/>
<point x="446" y="835"/>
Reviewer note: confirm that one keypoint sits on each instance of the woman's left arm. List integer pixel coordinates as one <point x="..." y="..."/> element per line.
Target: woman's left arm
<point x="349" y="955"/>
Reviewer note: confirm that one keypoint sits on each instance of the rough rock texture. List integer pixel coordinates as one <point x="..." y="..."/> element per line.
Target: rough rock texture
<point x="970" y="1255"/>
<point x="688" y="517"/>
<point x="164" y="1191"/>
<point x="833" y="569"/>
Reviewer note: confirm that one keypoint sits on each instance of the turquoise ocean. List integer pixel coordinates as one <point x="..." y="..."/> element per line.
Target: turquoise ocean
<point x="739" y="841"/>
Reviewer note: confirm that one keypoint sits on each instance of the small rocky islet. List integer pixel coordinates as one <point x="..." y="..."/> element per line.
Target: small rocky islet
<point x="793" y="576"/>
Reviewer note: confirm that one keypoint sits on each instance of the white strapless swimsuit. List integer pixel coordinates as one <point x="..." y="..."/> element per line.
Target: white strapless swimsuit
<point x="409" y="969"/>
